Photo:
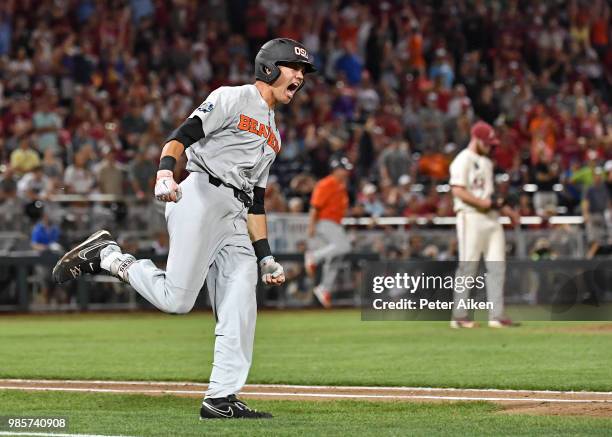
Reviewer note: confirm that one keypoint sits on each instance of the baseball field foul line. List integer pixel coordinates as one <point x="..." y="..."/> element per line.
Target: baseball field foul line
<point x="299" y="387"/>
<point x="316" y="395"/>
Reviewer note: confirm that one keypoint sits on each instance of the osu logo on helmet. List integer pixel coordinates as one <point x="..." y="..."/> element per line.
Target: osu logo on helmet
<point x="300" y="52"/>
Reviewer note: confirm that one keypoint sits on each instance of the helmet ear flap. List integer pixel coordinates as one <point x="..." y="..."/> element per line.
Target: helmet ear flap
<point x="267" y="72"/>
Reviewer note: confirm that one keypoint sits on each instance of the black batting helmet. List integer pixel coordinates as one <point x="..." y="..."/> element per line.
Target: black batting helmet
<point x="340" y="161"/>
<point x="280" y="50"/>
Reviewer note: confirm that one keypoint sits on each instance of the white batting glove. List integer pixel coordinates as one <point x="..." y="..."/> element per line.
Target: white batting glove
<point x="272" y="273"/>
<point x="166" y="188"/>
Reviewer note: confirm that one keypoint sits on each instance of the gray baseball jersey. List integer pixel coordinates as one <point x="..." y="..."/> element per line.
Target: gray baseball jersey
<point x="240" y="137"/>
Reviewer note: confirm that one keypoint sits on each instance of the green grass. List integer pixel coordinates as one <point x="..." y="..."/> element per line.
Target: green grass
<point x="309" y="348"/>
<point x="170" y="416"/>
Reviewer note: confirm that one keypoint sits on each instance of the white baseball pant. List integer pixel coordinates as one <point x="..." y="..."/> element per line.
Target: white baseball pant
<point x="481" y="235"/>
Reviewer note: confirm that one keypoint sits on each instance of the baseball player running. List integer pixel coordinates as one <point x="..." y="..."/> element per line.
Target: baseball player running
<point x="479" y="232"/>
<point x="216" y="219"/>
<point x="329" y="203"/>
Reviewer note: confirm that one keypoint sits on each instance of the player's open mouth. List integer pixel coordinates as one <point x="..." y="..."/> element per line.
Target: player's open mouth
<point x="292" y="88"/>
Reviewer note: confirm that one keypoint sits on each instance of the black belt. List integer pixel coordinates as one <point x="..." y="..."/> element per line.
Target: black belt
<point x="238" y="194"/>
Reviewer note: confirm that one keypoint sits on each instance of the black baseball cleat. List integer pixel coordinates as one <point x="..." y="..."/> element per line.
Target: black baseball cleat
<point x="229" y="408"/>
<point x="84" y="258"/>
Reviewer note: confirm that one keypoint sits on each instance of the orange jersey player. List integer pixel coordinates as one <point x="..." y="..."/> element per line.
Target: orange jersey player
<point x="329" y="203"/>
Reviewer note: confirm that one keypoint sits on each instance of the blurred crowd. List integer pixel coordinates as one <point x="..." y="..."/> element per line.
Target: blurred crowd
<point x="89" y="90"/>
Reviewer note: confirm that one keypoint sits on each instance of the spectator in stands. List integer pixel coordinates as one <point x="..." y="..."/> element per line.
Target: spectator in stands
<point x="10" y="205"/>
<point x="459" y="103"/>
<point x="109" y="176"/>
<point x="20" y="69"/>
<point x="52" y="167"/>
<point x="401" y="196"/>
<point x="442" y="67"/>
<point x="45" y="238"/>
<point x="78" y="179"/>
<point x="546" y="177"/>
<point x="435" y="163"/>
<point x="415" y="247"/>
<point x="349" y="64"/>
<point x="370" y="199"/>
<point x="608" y="171"/>
<point x="395" y="161"/>
<point x="585" y="175"/>
<point x="431" y="120"/>
<point x="301" y="186"/>
<point x="524" y="206"/>
<point x="8" y="183"/>
<point x="17" y="120"/>
<point x="295" y="205"/>
<point x="487" y="105"/>
<point x="142" y="175"/>
<point x="45" y="235"/>
<point x="368" y="98"/>
<point x="34" y="185"/>
<point x="47" y="123"/>
<point x="595" y="205"/>
<point x="274" y="199"/>
<point x="24" y="158"/>
<point x="133" y="121"/>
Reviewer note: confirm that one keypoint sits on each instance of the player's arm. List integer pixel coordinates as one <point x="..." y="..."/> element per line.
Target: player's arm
<point x="462" y="193"/>
<point x="317" y="201"/>
<point x="166" y="188"/>
<point x="313" y="219"/>
<point x="511" y="213"/>
<point x="459" y="180"/>
<point x="272" y="272"/>
<point x="256" y="217"/>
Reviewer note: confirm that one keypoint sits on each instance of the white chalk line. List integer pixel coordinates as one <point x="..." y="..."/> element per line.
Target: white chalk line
<point x="301" y="387"/>
<point x="25" y="433"/>
<point x="315" y="395"/>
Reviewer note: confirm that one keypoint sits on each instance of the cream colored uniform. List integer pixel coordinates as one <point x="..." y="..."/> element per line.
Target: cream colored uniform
<point x="478" y="233"/>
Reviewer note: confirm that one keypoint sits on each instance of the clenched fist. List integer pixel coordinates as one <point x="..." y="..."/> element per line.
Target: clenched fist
<point x="166" y="188"/>
<point x="272" y="273"/>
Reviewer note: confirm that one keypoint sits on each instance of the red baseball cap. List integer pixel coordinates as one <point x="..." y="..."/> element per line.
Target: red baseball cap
<point x="484" y="132"/>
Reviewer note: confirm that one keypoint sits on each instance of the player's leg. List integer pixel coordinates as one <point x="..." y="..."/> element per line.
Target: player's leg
<point x="337" y="245"/>
<point x="231" y="284"/>
<point x="470" y="239"/>
<point x="495" y="260"/>
<point x="331" y="268"/>
<point x="335" y="238"/>
<point x="196" y="227"/>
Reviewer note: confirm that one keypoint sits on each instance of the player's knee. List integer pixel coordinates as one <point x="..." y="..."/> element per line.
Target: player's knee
<point x="345" y="247"/>
<point x="180" y="301"/>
